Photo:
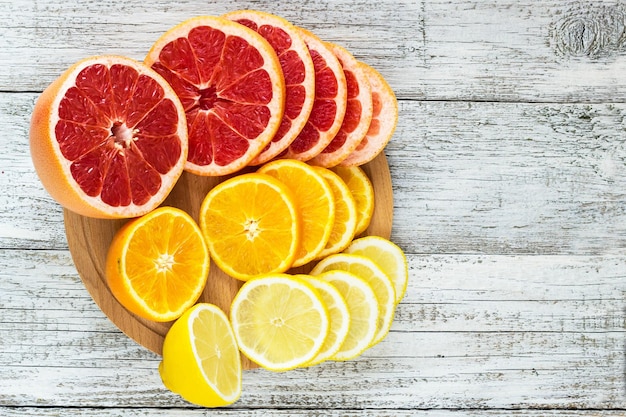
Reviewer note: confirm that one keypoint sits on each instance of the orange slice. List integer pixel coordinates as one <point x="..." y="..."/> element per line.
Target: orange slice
<point x="345" y="214"/>
<point x="314" y="201"/>
<point x="363" y="192"/>
<point x="298" y="71"/>
<point x="251" y="225"/>
<point x="329" y="107"/>
<point x="157" y="265"/>
<point x="229" y="80"/>
<point x="358" y="117"/>
<point x="108" y="138"/>
<point x="384" y="120"/>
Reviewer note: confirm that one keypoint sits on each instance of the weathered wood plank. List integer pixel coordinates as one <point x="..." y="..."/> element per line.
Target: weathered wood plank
<point x="474" y="331"/>
<point x="494" y="178"/>
<point x="157" y="412"/>
<point x="434" y="50"/>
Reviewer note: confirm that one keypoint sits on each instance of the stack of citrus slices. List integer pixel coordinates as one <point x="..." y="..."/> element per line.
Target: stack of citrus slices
<point x="284" y="120"/>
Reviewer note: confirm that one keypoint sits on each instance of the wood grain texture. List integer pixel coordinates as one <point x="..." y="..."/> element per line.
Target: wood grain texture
<point x="508" y="173"/>
<point x="476" y="50"/>
<point x="474" y="331"/>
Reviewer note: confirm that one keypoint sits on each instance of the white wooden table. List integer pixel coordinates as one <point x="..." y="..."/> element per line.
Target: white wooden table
<point x="509" y="180"/>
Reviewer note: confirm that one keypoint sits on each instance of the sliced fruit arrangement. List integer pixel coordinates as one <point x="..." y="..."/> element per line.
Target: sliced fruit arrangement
<point x="108" y="138"/>
<point x="284" y="120"/>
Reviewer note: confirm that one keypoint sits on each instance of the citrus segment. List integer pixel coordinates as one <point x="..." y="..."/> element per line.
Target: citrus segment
<point x="298" y="71"/>
<point x="157" y="265"/>
<point x="201" y="360"/>
<point x="363" y="192"/>
<point x="345" y="214"/>
<point x="108" y="138"/>
<point x="366" y="269"/>
<point x="363" y="308"/>
<point x="388" y="256"/>
<point x="280" y="322"/>
<point x="231" y="85"/>
<point x="329" y="106"/>
<point x="358" y="117"/>
<point x="314" y="201"/>
<point x="251" y="225"/>
<point x="338" y="314"/>
<point x="384" y="120"/>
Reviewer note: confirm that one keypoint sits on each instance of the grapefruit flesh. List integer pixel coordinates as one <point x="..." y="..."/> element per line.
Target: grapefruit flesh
<point x="108" y="138"/>
<point x="298" y="71"/>
<point x="232" y="89"/>
<point x="329" y="106"/>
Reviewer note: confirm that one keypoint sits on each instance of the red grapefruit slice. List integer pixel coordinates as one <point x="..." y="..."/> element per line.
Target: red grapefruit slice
<point x="383" y="124"/>
<point x="358" y="115"/>
<point x="230" y="82"/>
<point x="329" y="106"/>
<point x="298" y="71"/>
<point x="108" y="138"/>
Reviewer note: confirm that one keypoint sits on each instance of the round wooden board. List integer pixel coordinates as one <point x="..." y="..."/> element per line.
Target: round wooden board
<point x="89" y="240"/>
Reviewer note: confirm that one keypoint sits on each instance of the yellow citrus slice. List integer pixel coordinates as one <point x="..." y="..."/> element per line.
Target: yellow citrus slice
<point x="230" y="82"/>
<point x="345" y="214"/>
<point x="314" y="200"/>
<point x="201" y="359"/>
<point x="384" y="120"/>
<point x="298" y="71"/>
<point x="280" y="321"/>
<point x="251" y="225"/>
<point x="338" y="314"/>
<point x="157" y="265"/>
<point x="359" y="109"/>
<point x="363" y="192"/>
<point x="388" y="256"/>
<point x="366" y="269"/>
<point x="108" y="138"/>
<point x="363" y="308"/>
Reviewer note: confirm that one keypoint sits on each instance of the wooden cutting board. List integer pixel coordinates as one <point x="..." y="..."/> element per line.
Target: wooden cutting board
<point x="89" y="240"/>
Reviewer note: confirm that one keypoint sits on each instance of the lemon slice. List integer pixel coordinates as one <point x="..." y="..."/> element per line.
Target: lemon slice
<point x="363" y="309"/>
<point x="366" y="269"/>
<point x="388" y="256"/>
<point x="280" y="321"/>
<point x="201" y="360"/>
<point x="338" y="314"/>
